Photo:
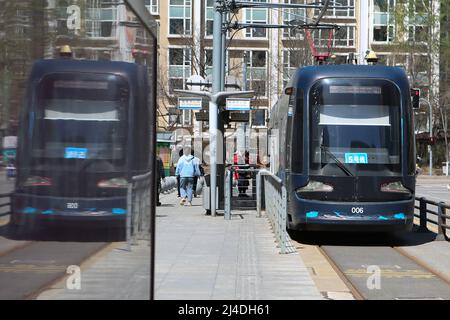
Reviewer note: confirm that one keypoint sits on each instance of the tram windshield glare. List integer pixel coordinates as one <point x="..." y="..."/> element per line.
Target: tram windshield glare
<point x="80" y="119"/>
<point x="357" y="123"/>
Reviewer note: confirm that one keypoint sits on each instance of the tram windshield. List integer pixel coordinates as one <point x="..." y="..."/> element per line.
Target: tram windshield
<point x="355" y="124"/>
<point x="81" y="118"/>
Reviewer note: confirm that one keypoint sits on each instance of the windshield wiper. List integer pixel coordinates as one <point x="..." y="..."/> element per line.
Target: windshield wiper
<point x="338" y="162"/>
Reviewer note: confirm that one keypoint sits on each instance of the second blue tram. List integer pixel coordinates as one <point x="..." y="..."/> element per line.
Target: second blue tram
<point x="84" y="132"/>
<point x="342" y="140"/>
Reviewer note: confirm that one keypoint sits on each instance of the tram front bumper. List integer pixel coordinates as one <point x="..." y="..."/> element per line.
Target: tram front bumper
<point x="58" y="209"/>
<point x="351" y="216"/>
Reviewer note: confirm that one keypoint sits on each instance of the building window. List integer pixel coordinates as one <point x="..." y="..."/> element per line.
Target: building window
<point x="344" y="37"/>
<point x="180" y="17"/>
<point x="257" y="72"/>
<point x="383" y="20"/>
<point x="99" y="21"/>
<point x="292" y="59"/>
<point x="256" y="16"/>
<point x="179" y="68"/>
<point x="208" y="61"/>
<point x="152" y="6"/>
<point x="179" y="117"/>
<point x="259" y="117"/>
<point x="61" y="14"/>
<point x="418" y="31"/>
<point x="342" y="13"/>
<point x="294" y="17"/>
<point x="209" y="15"/>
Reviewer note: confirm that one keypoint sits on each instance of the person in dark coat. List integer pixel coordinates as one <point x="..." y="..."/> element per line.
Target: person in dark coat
<point x="159" y="176"/>
<point x="244" y="177"/>
<point x="180" y="153"/>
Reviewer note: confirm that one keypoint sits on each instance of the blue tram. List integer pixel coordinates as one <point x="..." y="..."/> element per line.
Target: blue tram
<point x="342" y="140"/>
<point x="84" y="132"/>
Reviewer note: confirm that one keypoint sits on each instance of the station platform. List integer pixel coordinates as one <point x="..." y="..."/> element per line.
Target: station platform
<point x="198" y="257"/>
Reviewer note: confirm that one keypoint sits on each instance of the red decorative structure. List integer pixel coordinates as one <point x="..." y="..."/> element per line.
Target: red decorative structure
<point x="320" y="57"/>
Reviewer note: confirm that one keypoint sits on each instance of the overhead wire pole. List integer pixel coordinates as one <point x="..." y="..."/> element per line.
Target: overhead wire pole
<point x="213" y="107"/>
<point x="221" y="124"/>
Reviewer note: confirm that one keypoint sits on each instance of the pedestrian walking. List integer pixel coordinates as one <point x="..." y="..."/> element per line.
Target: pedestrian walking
<point x="187" y="169"/>
<point x="160" y="175"/>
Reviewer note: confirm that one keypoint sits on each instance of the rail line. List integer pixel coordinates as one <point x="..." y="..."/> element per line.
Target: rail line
<point x="402" y="276"/>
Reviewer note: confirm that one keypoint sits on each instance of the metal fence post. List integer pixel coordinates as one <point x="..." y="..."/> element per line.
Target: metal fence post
<point x="258" y="194"/>
<point x="441" y="222"/>
<point x="423" y="215"/>
<point x="129" y="213"/>
<point x="282" y="220"/>
<point x="228" y="194"/>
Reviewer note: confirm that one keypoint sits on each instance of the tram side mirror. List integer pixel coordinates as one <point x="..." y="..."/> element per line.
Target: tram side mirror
<point x="415" y="98"/>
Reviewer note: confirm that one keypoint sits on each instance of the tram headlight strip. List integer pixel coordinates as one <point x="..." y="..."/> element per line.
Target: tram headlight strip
<point x="113" y="183"/>
<point x="316" y="186"/>
<point x="37" y="181"/>
<point x="395" y="186"/>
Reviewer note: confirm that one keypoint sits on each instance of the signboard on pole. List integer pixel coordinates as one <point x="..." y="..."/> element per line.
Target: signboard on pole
<point x="238" y="104"/>
<point x="188" y="103"/>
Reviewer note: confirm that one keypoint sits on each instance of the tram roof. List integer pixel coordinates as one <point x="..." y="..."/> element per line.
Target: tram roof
<point x="310" y="74"/>
<point x="46" y="66"/>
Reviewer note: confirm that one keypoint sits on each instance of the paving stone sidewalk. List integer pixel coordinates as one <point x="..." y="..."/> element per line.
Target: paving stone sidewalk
<point x="198" y="257"/>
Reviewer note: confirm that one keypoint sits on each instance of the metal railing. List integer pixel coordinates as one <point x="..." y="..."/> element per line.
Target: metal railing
<point x="239" y="186"/>
<point x="276" y="207"/>
<point x="6" y="204"/>
<point x="441" y="214"/>
<point x="138" y="209"/>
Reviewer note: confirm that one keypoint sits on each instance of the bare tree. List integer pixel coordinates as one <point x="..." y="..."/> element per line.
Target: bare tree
<point x="416" y="46"/>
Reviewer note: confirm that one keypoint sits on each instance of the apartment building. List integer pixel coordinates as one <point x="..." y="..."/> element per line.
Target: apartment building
<point x="21" y="30"/>
<point x="268" y="56"/>
<point x="34" y="29"/>
<point x="395" y="29"/>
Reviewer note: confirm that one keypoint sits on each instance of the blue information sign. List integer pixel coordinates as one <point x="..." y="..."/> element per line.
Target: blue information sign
<point x="356" y="158"/>
<point x="75" y="153"/>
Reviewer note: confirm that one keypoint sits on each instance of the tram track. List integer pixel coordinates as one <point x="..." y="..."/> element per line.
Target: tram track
<point x="33" y="295"/>
<point x="401" y="275"/>
<point x="29" y="268"/>
<point x="353" y="290"/>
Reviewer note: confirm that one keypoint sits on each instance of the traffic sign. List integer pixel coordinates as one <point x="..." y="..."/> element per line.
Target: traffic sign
<point x="238" y="104"/>
<point x="189" y="103"/>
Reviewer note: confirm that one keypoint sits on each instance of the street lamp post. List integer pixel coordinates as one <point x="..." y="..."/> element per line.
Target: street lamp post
<point x="430" y="128"/>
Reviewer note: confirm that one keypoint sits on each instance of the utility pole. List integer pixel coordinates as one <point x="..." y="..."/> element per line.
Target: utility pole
<point x="363" y="31"/>
<point x="430" y="128"/>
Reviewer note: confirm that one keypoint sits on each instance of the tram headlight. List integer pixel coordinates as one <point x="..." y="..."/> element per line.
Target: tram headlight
<point x="113" y="183"/>
<point x="37" y="181"/>
<point x="316" y="186"/>
<point x="395" y="186"/>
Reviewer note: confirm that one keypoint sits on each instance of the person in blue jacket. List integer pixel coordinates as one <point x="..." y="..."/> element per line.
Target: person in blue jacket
<point x="187" y="169"/>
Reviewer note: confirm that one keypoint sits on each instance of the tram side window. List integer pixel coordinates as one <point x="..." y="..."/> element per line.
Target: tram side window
<point x="297" y="133"/>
